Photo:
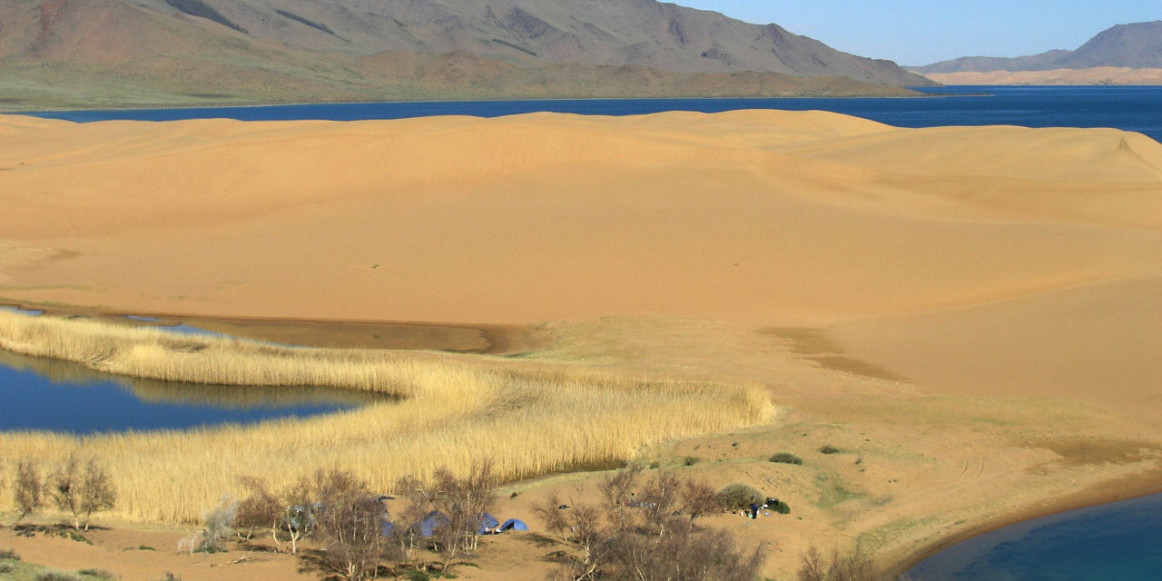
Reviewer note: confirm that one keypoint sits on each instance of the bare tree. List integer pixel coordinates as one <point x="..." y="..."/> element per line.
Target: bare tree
<point x="81" y="494"/>
<point x="65" y="487"/>
<point x="27" y="491"/>
<point x="261" y="509"/>
<point x="699" y="498"/>
<point x="97" y="492"/>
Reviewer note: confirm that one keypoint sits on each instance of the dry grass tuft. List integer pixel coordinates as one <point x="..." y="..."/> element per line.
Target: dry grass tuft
<point x="527" y="418"/>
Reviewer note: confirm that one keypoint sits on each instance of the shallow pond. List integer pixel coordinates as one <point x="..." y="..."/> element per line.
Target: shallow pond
<point x="59" y="396"/>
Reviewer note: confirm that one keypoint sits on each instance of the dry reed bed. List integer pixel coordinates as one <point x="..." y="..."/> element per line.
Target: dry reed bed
<point x="529" y="418"/>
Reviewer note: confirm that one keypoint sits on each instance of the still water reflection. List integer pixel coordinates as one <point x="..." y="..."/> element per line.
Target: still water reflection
<point x="59" y="396"/>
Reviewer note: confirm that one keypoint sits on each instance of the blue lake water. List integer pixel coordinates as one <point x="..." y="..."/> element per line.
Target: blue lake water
<point x="1130" y="108"/>
<point x="58" y="396"/>
<point x="1121" y="541"/>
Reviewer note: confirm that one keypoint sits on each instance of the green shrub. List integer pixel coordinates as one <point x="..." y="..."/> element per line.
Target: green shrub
<point x="9" y="554"/>
<point x="786" y="458"/>
<point x="781" y="507"/>
<point x="690" y="460"/>
<point x="739" y="496"/>
<point x="829" y="449"/>
<point x="97" y="573"/>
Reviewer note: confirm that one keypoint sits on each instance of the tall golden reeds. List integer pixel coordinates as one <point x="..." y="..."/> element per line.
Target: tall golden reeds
<point x="527" y="417"/>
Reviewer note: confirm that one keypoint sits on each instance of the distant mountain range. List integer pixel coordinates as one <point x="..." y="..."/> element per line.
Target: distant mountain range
<point x="156" y="52"/>
<point x="1133" y="46"/>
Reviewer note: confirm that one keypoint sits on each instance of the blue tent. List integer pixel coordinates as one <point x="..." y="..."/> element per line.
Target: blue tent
<point x="514" y="524"/>
<point x="432" y="521"/>
<point x="487" y="523"/>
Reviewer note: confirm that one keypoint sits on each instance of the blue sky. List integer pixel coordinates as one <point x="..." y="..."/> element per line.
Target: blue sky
<point x="919" y="32"/>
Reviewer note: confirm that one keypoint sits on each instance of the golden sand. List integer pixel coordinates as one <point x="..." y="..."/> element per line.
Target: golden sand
<point x="974" y="312"/>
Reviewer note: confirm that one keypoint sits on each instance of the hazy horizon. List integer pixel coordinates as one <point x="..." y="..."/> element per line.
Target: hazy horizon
<point x="914" y="33"/>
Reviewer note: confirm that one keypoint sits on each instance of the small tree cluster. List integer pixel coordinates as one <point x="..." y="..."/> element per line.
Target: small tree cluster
<point x="73" y="489"/>
<point x="350" y="522"/>
<point x="82" y="492"/>
<point x="354" y="526"/>
<point x="648" y="536"/>
<point x="456" y="507"/>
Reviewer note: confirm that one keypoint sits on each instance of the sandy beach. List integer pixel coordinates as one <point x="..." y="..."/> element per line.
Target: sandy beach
<point x="972" y="314"/>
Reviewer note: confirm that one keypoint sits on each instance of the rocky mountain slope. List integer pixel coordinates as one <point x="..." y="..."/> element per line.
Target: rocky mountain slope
<point x="131" y="52"/>
<point x="1134" y="46"/>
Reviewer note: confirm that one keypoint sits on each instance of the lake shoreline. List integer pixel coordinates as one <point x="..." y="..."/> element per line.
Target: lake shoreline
<point x="1140" y="485"/>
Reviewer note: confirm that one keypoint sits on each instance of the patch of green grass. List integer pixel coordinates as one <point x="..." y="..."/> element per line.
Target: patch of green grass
<point x="832" y="492"/>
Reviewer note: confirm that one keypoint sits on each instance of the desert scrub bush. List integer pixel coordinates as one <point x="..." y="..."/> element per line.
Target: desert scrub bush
<point x="57" y="576"/>
<point x="212" y="539"/>
<point x="9" y="555"/>
<point x="690" y="460"/>
<point x="829" y="449"/>
<point x="857" y="566"/>
<point x="97" y="574"/>
<point x="739" y="496"/>
<point x="786" y="458"/>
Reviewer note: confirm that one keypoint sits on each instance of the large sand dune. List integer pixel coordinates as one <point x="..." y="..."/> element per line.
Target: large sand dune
<point x="975" y="314"/>
<point x="972" y="259"/>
